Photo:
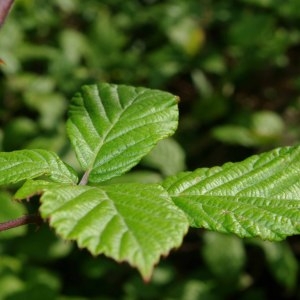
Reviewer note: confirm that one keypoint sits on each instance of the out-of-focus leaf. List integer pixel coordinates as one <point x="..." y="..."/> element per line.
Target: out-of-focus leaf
<point x="224" y="255"/>
<point x="17" y="132"/>
<point x="136" y="176"/>
<point x="281" y="261"/>
<point x="188" y="35"/>
<point x="167" y="156"/>
<point x="74" y="45"/>
<point x="265" y="127"/>
<point x="51" y="107"/>
<point x="232" y="134"/>
<point x="202" y="83"/>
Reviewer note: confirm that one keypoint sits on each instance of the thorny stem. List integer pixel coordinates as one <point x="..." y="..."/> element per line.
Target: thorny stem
<point x="24" y="220"/>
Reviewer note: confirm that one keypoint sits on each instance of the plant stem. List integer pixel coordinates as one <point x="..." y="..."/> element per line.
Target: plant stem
<point x="24" y="220"/>
<point x="85" y="178"/>
<point x="4" y="9"/>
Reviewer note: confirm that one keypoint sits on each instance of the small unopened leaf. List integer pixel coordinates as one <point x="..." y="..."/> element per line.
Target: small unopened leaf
<point x="27" y="164"/>
<point x="112" y="127"/>
<point x="136" y="223"/>
<point x="257" y="197"/>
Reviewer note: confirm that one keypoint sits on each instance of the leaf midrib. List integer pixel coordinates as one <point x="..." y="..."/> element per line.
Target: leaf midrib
<point x="103" y="140"/>
<point x="214" y="190"/>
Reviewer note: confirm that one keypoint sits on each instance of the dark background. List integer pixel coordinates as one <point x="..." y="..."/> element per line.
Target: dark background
<point x="235" y="66"/>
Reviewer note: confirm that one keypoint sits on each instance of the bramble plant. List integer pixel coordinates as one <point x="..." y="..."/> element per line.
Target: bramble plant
<point x="111" y="128"/>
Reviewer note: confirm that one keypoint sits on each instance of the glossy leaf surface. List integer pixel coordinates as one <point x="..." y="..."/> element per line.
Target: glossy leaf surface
<point x="27" y="164"/>
<point x="136" y="223"/>
<point x="112" y="127"/>
<point x="259" y="196"/>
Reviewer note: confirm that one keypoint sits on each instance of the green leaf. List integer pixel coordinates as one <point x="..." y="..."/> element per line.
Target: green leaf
<point x="136" y="176"/>
<point x="167" y="156"/>
<point x="128" y="222"/>
<point x="257" y="197"/>
<point x="264" y="128"/>
<point x="112" y="127"/>
<point x="26" y="164"/>
<point x="10" y="210"/>
<point x="227" y="264"/>
<point x="35" y="187"/>
<point x="281" y="262"/>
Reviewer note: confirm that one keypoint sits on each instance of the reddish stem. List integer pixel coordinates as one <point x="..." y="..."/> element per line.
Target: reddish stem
<point x="24" y="220"/>
<point x="5" y="6"/>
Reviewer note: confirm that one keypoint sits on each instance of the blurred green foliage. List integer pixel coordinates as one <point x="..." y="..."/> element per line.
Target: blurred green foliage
<point x="235" y="65"/>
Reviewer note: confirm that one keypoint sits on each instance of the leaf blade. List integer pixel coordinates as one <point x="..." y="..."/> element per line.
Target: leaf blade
<point x="257" y="197"/>
<point x="128" y="222"/>
<point x="28" y="164"/>
<point x="35" y="187"/>
<point x="111" y="127"/>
